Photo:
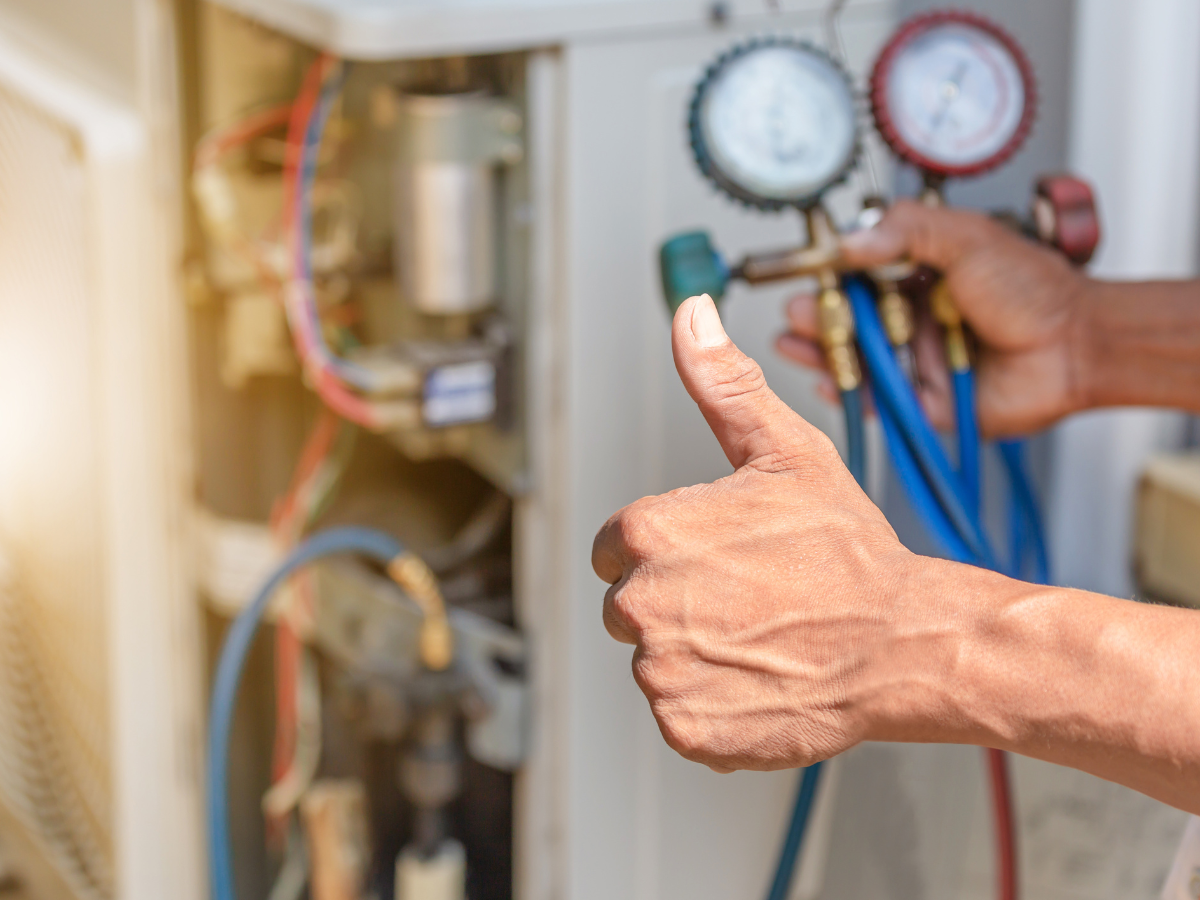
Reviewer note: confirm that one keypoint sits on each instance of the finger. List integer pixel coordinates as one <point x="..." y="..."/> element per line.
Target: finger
<point x="804" y="351"/>
<point x="721" y="770"/>
<point x="802" y="316"/>
<point x="752" y="425"/>
<point x="610" y="556"/>
<point x="937" y="236"/>
<point x="618" y="629"/>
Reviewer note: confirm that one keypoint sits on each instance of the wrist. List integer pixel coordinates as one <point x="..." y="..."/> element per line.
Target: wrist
<point x="1083" y="342"/>
<point x="1088" y="344"/>
<point x="928" y="682"/>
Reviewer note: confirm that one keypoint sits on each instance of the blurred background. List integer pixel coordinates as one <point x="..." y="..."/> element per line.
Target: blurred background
<point x="274" y="266"/>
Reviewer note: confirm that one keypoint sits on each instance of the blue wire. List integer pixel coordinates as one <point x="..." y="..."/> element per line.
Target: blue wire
<point x="355" y="375"/>
<point x="366" y="542"/>
<point x="1013" y="454"/>
<point x="967" y="425"/>
<point x="893" y="390"/>
<point x="794" y="839"/>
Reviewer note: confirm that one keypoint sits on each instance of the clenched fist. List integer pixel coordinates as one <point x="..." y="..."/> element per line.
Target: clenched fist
<point x="761" y="605"/>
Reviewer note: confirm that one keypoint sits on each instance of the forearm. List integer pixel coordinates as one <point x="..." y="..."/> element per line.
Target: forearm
<point x="1139" y="345"/>
<point x="1099" y="684"/>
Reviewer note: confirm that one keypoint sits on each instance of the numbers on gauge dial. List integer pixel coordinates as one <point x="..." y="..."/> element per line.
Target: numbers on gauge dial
<point x="956" y="95"/>
<point x="779" y="122"/>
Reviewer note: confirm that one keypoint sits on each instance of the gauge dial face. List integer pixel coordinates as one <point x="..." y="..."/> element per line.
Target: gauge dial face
<point x="774" y="123"/>
<point x="953" y="94"/>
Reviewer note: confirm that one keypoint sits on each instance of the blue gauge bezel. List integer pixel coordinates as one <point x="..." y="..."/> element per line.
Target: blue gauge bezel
<point x="708" y="166"/>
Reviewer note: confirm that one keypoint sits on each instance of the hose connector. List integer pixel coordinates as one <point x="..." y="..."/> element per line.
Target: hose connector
<point x="946" y="314"/>
<point x="417" y="580"/>
<point x="837" y="333"/>
<point x="896" y="314"/>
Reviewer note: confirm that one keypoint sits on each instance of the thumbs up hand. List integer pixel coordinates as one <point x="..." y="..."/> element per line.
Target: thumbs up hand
<point x="765" y="608"/>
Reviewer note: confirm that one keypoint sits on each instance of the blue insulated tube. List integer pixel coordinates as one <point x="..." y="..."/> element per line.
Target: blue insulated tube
<point x="1026" y="512"/>
<point x="792" y="843"/>
<point x="924" y="503"/>
<point x="856" y="437"/>
<point x="366" y="542"/>
<point x="967" y="425"/>
<point x="893" y="391"/>
<point x="789" y="853"/>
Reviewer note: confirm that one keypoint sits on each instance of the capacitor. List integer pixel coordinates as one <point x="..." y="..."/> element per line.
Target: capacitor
<point x="450" y="150"/>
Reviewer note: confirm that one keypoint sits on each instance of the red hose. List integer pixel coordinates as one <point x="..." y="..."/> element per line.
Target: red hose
<point x="1005" y="824"/>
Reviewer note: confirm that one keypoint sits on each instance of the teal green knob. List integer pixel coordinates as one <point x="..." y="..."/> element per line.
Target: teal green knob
<point x="691" y="266"/>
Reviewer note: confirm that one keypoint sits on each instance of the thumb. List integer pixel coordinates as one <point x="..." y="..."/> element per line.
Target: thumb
<point x="753" y="426"/>
<point x="937" y="236"/>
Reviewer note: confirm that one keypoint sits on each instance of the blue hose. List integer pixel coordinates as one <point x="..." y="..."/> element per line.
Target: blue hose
<point x="366" y="542"/>
<point x="789" y="854"/>
<point x="1026" y="511"/>
<point x="967" y="425"/>
<point x="893" y="391"/>
<point x="794" y="839"/>
<point x="856" y="439"/>
<point x="919" y="494"/>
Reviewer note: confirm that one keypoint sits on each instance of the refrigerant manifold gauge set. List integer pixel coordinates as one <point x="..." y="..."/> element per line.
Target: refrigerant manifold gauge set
<point x="774" y="123"/>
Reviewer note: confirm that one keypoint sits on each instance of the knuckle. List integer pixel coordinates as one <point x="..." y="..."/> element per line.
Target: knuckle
<point x="625" y="607"/>
<point x="681" y="734"/>
<point x="639" y="528"/>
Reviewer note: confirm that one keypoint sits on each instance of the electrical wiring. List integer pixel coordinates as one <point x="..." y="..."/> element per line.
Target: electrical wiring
<point x="322" y="462"/>
<point x="332" y="378"/>
<point x="369" y="543"/>
<point x="220" y="141"/>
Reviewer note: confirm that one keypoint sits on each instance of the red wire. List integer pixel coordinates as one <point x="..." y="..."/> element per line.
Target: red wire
<point x="328" y="386"/>
<point x="286" y="528"/>
<point x="217" y="145"/>
<point x="1005" y="824"/>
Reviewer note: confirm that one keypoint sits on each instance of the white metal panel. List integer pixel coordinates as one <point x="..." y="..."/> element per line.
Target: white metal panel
<point x="640" y="821"/>
<point x="96" y="398"/>
<point x="383" y="29"/>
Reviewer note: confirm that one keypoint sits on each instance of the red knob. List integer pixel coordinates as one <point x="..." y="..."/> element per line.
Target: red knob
<point x="1064" y="214"/>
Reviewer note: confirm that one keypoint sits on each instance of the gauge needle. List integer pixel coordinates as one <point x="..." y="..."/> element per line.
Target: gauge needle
<point x="950" y="92"/>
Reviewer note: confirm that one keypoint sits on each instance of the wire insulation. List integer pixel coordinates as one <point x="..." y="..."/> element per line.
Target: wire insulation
<point x="366" y="542"/>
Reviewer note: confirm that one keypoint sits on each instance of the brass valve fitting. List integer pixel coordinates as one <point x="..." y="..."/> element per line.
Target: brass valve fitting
<point x="411" y="573"/>
<point x="837" y="333"/>
<point x="941" y="305"/>
<point x="896" y="313"/>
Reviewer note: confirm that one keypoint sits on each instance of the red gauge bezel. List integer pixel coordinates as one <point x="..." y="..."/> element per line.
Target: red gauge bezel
<point x="880" y="75"/>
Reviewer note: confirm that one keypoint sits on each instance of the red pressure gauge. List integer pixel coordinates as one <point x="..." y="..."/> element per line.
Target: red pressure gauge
<point x="953" y="94"/>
